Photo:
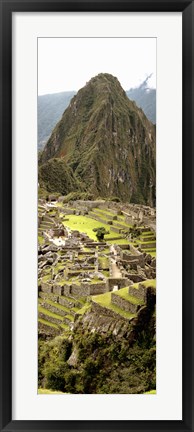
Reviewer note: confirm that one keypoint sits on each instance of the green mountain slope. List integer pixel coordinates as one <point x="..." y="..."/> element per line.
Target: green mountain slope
<point x="107" y="142"/>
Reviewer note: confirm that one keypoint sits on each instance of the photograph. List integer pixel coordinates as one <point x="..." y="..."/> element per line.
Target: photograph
<point x="96" y="152"/>
<point x="97" y="211"/>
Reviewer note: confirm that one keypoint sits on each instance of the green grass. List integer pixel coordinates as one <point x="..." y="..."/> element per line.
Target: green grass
<point x="147" y="234"/>
<point x="40" y="240"/>
<point x="122" y="224"/>
<point x="95" y="281"/>
<point x="47" y="323"/>
<point x="123" y="293"/>
<point x="151" y="392"/>
<point x="69" y="299"/>
<point x="106" y="212"/>
<point x="57" y="305"/>
<point x="119" y="241"/>
<point x="142" y="243"/>
<point x="106" y="251"/>
<point x="47" y="277"/>
<point x="84" y="309"/>
<point x="149" y="283"/>
<point x="46" y="391"/>
<point x="153" y="254"/>
<point x="104" y="262"/>
<point x="49" y="313"/>
<point x="105" y="301"/>
<point x="68" y="282"/>
<point x="98" y="214"/>
<point x="151" y="251"/>
<point x="64" y="326"/>
<point x="86" y="225"/>
<point x="105" y="273"/>
<point x="70" y="317"/>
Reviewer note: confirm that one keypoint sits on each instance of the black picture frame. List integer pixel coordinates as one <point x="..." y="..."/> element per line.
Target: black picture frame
<point x="6" y="9"/>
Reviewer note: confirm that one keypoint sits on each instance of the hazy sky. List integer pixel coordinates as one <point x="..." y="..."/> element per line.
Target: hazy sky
<point x="68" y="63"/>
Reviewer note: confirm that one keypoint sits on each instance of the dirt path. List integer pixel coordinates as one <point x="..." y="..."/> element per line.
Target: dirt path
<point x="115" y="270"/>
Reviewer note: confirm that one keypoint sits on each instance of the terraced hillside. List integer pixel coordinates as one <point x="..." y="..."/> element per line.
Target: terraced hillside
<point x="76" y="271"/>
<point x="96" y="299"/>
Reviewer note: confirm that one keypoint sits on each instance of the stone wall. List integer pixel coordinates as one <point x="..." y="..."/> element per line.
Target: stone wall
<point x="98" y="288"/>
<point x="148" y="245"/>
<point x="82" y="290"/>
<point x="66" y="302"/>
<point x="68" y="211"/>
<point x="44" y="295"/>
<point x="57" y="289"/>
<point x="140" y="293"/>
<point x="98" y="218"/>
<point x="139" y="259"/>
<point x="115" y="229"/>
<point x="47" y="330"/>
<point x="120" y="282"/>
<point x="89" y="204"/>
<point x="51" y="318"/>
<point x="46" y="287"/>
<point x="124" y="304"/>
<point x="135" y="277"/>
<point x="54" y="309"/>
<point x="98" y="309"/>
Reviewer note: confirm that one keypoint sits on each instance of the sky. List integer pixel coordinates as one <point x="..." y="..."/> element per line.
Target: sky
<point x="66" y="64"/>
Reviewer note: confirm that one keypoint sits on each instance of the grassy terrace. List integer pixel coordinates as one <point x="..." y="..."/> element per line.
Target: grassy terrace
<point x="70" y="281"/>
<point x="153" y="254"/>
<point x="49" y="313"/>
<point x="64" y="326"/>
<point x="70" y="317"/>
<point x="47" y="323"/>
<point x="86" y="225"/>
<point x="149" y="283"/>
<point x="118" y="222"/>
<point x="147" y="233"/>
<point x="105" y="301"/>
<point x="123" y="293"/>
<point x="103" y="212"/>
<point x="119" y="241"/>
<point x="57" y="305"/>
<point x="84" y="309"/>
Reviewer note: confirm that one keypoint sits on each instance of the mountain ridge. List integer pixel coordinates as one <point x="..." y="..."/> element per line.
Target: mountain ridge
<point x="107" y="142"/>
<point x="52" y="106"/>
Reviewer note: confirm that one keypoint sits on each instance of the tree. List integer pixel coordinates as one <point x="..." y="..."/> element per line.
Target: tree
<point x="100" y="233"/>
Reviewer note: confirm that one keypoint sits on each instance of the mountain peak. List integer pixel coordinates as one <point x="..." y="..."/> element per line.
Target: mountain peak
<point x="107" y="142"/>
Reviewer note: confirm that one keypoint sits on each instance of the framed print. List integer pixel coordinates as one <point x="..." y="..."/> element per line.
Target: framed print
<point x="96" y="219"/>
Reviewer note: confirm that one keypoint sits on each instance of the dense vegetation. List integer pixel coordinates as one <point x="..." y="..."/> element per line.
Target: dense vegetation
<point x="107" y="142"/>
<point x="56" y="176"/>
<point x="101" y="364"/>
<point x="52" y="106"/>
